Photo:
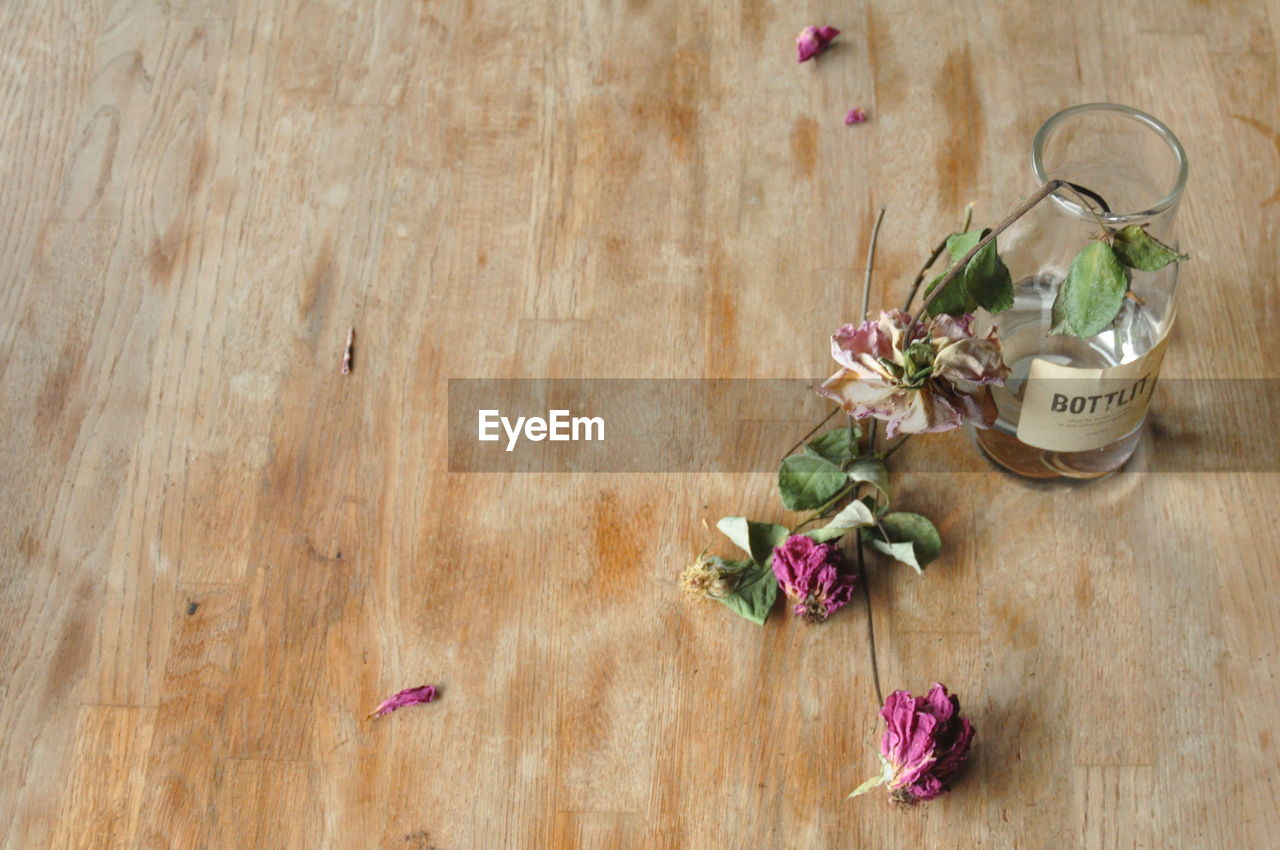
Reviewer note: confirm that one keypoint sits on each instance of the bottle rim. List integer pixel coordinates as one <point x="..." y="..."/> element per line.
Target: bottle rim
<point x="1180" y="155"/>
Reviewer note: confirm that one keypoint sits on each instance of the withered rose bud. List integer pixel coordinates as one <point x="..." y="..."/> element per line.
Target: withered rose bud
<point x="925" y="743"/>
<point x="814" y="576"/>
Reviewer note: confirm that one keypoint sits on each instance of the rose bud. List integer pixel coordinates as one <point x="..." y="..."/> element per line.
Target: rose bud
<point x="925" y="743"/>
<point x="814" y="576"/>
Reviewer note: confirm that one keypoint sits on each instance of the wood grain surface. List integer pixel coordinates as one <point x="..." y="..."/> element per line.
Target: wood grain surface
<point x="218" y="553"/>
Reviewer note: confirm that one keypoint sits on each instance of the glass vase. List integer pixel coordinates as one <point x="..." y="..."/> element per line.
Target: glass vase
<point x="1075" y="407"/>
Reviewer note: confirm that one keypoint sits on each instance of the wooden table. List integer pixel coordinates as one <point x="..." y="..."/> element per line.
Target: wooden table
<point x="219" y="553"/>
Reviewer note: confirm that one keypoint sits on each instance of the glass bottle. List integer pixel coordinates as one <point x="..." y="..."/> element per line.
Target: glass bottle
<point x="1059" y="415"/>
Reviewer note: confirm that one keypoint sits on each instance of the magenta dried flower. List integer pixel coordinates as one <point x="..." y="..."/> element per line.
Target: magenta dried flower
<point x="925" y="744"/>
<point x="936" y="381"/>
<point x="409" y="696"/>
<point x="856" y="115"/>
<point x="814" y="576"/>
<point x="813" y="40"/>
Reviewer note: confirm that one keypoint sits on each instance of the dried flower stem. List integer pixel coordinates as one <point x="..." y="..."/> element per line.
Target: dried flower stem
<point x="871" y="626"/>
<point x="866" y="300"/>
<point x="866" y="308"/>
<point x="895" y="447"/>
<point x="871" y="443"/>
<point x="817" y="514"/>
<point x="871" y="257"/>
<point x="933" y="258"/>
<point x="812" y="431"/>
<point x="1025" y="207"/>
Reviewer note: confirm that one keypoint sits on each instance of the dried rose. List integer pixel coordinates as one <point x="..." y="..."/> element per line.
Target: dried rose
<point x="813" y="40"/>
<point x="711" y="578"/>
<point x="925" y="743"/>
<point x="936" y="381"/>
<point x="856" y="115"/>
<point x="814" y="576"/>
<point x="409" y="696"/>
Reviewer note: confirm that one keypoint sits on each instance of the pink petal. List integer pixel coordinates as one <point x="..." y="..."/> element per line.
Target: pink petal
<point x="409" y="696"/>
<point x="813" y="40"/>
<point x="856" y="116"/>
<point x="976" y="361"/>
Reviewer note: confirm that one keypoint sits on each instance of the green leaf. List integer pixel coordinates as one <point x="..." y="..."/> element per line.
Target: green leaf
<point x="1138" y="249"/>
<point x="806" y="482"/>
<point x="912" y="539"/>
<point x="856" y="514"/>
<point x="872" y="471"/>
<point x="1093" y="293"/>
<point x="754" y="593"/>
<point x="757" y="539"/>
<point x="985" y="281"/>
<point x="835" y="445"/>
<point x="825" y="535"/>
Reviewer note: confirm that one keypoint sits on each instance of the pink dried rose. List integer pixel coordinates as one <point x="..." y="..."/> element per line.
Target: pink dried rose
<point x="409" y="696"/>
<point x="813" y="40"/>
<point x="856" y="115"/>
<point x="814" y="576"/>
<point x="925" y="744"/>
<point x="938" y="380"/>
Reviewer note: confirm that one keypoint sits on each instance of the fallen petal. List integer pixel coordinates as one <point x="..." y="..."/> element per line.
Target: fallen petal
<point x="813" y="40"/>
<point x="409" y="696"/>
<point x="856" y="116"/>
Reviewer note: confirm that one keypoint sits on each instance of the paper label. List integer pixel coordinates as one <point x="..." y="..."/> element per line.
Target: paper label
<point x="1067" y="409"/>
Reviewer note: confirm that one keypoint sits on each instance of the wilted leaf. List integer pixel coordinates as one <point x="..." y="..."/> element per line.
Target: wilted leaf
<point x="825" y="535"/>
<point x="757" y="539"/>
<point x="1138" y="249"/>
<point x="985" y="281"/>
<point x="806" y="482"/>
<point x="834" y="446"/>
<point x="1092" y="294"/>
<point x="754" y="593"/>
<point x="871" y="471"/>
<point x="856" y="514"/>
<point x="913" y="540"/>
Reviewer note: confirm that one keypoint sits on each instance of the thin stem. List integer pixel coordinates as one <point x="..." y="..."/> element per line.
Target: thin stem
<point x="812" y="431"/>
<point x="895" y="447"/>
<point x="1025" y="207"/>
<point x="871" y="625"/>
<point x="1043" y="192"/>
<point x="844" y="491"/>
<point x="871" y="256"/>
<point x="933" y="258"/>
<point x="866" y="302"/>
<point x="924" y="270"/>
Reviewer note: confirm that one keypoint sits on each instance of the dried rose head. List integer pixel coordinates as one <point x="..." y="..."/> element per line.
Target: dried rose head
<point x="814" y="576"/>
<point x="925" y="743"/>
<point x="935" y="381"/>
<point x="813" y="40"/>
